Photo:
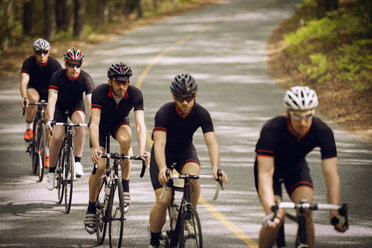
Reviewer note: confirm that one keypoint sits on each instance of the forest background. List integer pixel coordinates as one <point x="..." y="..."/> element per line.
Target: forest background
<point x="326" y="44"/>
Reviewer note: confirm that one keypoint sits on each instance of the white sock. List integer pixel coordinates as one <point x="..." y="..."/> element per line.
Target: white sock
<point x="29" y="125"/>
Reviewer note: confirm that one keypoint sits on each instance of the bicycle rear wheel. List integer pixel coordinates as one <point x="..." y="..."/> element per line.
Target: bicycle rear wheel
<point x="41" y="150"/>
<point x="101" y="221"/>
<point x="69" y="179"/>
<point x="190" y="229"/>
<point x="59" y="176"/>
<point x="116" y="214"/>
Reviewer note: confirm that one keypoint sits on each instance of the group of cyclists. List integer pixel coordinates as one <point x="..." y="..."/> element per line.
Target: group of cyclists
<point x="281" y="149"/>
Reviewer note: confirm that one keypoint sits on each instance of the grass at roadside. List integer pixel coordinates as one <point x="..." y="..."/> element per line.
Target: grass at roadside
<point x="333" y="55"/>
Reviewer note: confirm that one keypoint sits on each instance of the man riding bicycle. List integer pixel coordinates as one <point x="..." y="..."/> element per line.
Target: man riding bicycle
<point x="66" y="91"/>
<point x="111" y="105"/>
<point x="281" y="150"/>
<point x="175" y="125"/>
<point x="34" y="82"/>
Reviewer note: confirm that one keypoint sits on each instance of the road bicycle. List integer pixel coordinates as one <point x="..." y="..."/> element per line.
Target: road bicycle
<point x="38" y="145"/>
<point x="65" y="169"/>
<point x="110" y="200"/>
<point x="184" y="229"/>
<point x="302" y="208"/>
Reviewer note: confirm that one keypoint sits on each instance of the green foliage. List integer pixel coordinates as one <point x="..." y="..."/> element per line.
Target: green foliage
<point x="354" y="63"/>
<point x="333" y="47"/>
<point x="317" y="67"/>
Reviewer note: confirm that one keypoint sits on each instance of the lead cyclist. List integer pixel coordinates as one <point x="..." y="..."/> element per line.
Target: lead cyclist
<point x="281" y="153"/>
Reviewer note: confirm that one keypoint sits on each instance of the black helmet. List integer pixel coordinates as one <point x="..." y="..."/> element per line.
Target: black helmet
<point x="74" y="54"/>
<point x="183" y="84"/>
<point x="119" y="71"/>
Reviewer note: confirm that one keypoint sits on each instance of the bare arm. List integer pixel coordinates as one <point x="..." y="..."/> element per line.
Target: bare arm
<point x="214" y="154"/>
<point x="89" y="103"/>
<point x="25" y="78"/>
<point x="52" y="99"/>
<point x="94" y="134"/>
<point x="139" y="117"/>
<point x="160" y="139"/>
<point x="265" y="182"/>
<point x="332" y="180"/>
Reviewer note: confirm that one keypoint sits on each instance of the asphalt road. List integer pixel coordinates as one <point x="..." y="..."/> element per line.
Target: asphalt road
<point x="223" y="47"/>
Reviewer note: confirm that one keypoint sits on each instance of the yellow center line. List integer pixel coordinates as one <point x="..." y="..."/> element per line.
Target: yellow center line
<point x="233" y="228"/>
<point x="222" y="218"/>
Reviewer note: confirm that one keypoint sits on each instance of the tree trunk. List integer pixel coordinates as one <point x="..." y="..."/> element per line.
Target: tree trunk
<point x="79" y="17"/>
<point x="27" y="16"/>
<point x="6" y="17"/>
<point x="64" y="12"/>
<point x="50" y="19"/>
<point x="139" y="9"/>
<point x="103" y="12"/>
<point x="326" y="5"/>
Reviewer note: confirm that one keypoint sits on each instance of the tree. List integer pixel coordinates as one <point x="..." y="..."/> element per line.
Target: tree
<point x="64" y="12"/>
<point x="79" y="18"/>
<point x="50" y="19"/>
<point x="27" y="16"/>
<point x="325" y="6"/>
<point x="103" y="12"/>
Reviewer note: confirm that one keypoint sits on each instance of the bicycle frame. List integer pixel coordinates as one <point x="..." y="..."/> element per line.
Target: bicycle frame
<point x="110" y="210"/>
<point x="173" y="235"/>
<point x="38" y="157"/>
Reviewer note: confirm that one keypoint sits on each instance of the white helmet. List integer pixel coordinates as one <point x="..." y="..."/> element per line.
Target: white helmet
<point x="41" y="45"/>
<point x="300" y="98"/>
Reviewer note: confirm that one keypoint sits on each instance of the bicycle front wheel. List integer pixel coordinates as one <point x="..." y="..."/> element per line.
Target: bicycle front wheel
<point x="190" y="229"/>
<point x="41" y="150"/>
<point x="69" y="179"/>
<point x="33" y="149"/>
<point x="116" y="214"/>
<point x="101" y="221"/>
<point x="60" y="176"/>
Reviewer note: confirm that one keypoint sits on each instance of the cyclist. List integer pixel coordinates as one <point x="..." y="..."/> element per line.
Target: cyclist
<point x="66" y="91"/>
<point x="34" y="81"/>
<point x="111" y="105"/>
<point x="175" y="125"/>
<point x="280" y="157"/>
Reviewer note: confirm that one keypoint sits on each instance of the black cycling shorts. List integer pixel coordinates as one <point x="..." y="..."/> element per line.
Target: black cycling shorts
<point x="292" y="179"/>
<point x="43" y="93"/>
<point x="104" y="130"/>
<point x="180" y="158"/>
<point x="59" y="113"/>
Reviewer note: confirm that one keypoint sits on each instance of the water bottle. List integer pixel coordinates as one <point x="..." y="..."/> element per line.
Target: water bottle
<point x="173" y="214"/>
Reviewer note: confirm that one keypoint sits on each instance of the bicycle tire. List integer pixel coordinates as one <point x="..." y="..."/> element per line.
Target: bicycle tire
<point x="69" y="179"/>
<point x="41" y="150"/>
<point x="116" y="214"/>
<point x="101" y="221"/>
<point x="59" y="176"/>
<point x="33" y="145"/>
<point x="186" y="238"/>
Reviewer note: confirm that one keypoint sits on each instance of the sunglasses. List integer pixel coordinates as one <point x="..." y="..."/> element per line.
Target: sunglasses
<point x="73" y="65"/>
<point x="42" y="51"/>
<point x="187" y="98"/>
<point x="299" y="116"/>
<point x="123" y="82"/>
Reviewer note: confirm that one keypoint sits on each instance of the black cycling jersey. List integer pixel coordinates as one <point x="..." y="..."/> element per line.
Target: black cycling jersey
<point x="111" y="112"/>
<point x="180" y="129"/>
<point x="278" y="141"/>
<point x="40" y="75"/>
<point x="70" y="92"/>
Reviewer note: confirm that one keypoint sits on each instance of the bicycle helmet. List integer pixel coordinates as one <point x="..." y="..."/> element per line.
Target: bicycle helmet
<point x="183" y="84"/>
<point x="300" y="98"/>
<point x="74" y="54"/>
<point x="119" y="71"/>
<point x="41" y="45"/>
